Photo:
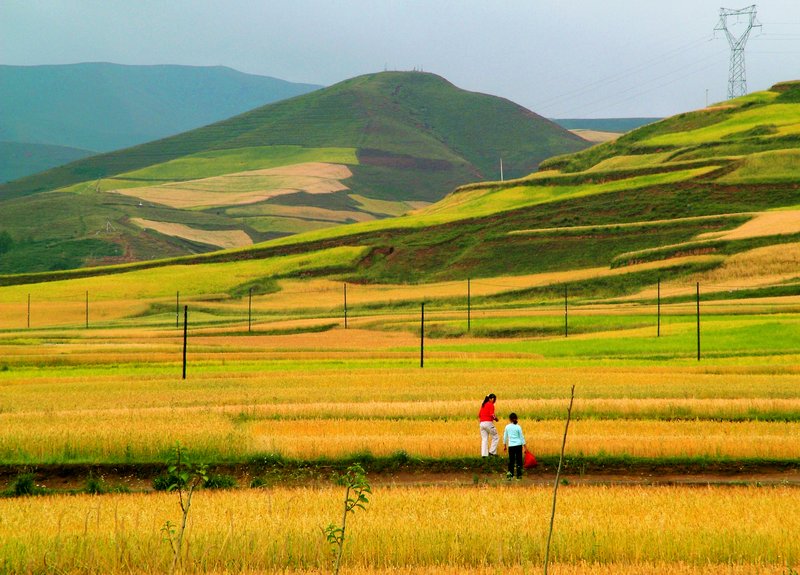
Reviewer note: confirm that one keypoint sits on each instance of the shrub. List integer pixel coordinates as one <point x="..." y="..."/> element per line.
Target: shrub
<point x="220" y="481"/>
<point x="6" y="242"/>
<point x="95" y="485"/>
<point x="166" y="481"/>
<point x="25" y="484"/>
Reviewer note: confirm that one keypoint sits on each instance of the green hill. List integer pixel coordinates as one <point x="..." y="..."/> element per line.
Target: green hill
<point x="18" y="159"/>
<point x="367" y="148"/>
<point x="103" y="107"/>
<point x="710" y="195"/>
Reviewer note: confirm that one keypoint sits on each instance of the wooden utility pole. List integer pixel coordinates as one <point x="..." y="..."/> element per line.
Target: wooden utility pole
<point x="422" y="336"/>
<point x="658" y="332"/>
<point x="698" y="321"/>
<point x="469" y="306"/>
<point x="185" y="334"/>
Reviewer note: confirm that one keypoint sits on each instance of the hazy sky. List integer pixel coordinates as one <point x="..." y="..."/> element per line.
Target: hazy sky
<point x="579" y="58"/>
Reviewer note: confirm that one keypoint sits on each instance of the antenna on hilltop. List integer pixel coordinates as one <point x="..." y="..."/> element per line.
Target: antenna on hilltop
<point x="737" y="78"/>
<point x="109" y="228"/>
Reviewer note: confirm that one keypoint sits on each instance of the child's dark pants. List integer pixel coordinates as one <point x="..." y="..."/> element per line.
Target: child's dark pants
<point x="515" y="459"/>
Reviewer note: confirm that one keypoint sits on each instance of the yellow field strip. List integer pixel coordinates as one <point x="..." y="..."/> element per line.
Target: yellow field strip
<point x="219" y="238"/>
<point x="147" y="435"/>
<point x="594" y="408"/>
<point x="642" y="224"/>
<point x="59" y="388"/>
<point x="764" y="224"/>
<point x="759" y="267"/>
<point x="327" y="294"/>
<point x="598" y="529"/>
<point x="248" y="187"/>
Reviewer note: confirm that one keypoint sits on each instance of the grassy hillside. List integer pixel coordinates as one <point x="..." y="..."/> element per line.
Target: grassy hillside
<point x="670" y="200"/>
<point x="18" y="159"/>
<point x="364" y="149"/>
<point x="102" y="106"/>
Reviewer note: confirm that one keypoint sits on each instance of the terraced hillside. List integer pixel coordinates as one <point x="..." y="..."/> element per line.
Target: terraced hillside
<point x="365" y="149"/>
<point x="710" y="195"/>
<point x="713" y="188"/>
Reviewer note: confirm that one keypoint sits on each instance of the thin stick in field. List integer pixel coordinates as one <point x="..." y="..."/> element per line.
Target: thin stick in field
<point x="558" y="475"/>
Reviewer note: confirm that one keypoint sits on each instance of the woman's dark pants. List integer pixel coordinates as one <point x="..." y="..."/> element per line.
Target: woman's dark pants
<point x="515" y="459"/>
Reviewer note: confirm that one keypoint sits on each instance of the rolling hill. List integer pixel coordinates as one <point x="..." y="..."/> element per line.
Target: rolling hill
<point x="710" y="196"/>
<point x="365" y="149"/>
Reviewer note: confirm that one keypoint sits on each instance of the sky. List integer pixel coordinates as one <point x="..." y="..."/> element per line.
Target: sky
<point x="562" y="59"/>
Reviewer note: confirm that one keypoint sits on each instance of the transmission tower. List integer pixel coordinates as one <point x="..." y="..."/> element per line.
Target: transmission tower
<point x="737" y="77"/>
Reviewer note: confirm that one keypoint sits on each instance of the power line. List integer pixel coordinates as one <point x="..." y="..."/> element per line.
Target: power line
<point x="615" y="99"/>
<point x="623" y="74"/>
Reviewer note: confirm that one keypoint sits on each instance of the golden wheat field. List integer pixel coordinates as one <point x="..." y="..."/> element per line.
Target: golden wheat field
<point x="301" y="390"/>
<point x="480" y="527"/>
<point x="115" y="394"/>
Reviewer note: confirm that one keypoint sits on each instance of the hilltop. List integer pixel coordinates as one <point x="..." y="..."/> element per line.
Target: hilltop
<point x="371" y="147"/>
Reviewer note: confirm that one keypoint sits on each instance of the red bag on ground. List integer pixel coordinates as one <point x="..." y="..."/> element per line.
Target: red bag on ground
<point x="530" y="460"/>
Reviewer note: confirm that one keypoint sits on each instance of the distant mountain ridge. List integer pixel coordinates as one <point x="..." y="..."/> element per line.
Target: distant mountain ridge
<point x="370" y="147"/>
<point x="52" y="115"/>
<point x="103" y="107"/>
<point x="18" y="159"/>
<point x="619" y="125"/>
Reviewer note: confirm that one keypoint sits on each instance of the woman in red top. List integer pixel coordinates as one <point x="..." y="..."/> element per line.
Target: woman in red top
<point x="487" y="418"/>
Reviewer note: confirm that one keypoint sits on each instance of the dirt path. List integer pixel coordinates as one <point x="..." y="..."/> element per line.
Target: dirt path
<point x="140" y="477"/>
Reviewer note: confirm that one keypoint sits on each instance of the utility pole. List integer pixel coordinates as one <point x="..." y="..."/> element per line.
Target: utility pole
<point x="658" y="333"/>
<point x="422" y="336"/>
<point x="345" y="305"/>
<point x="469" y="306"/>
<point x="737" y="76"/>
<point x="698" y="321"/>
<point x="502" y="178"/>
<point x="185" y="336"/>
